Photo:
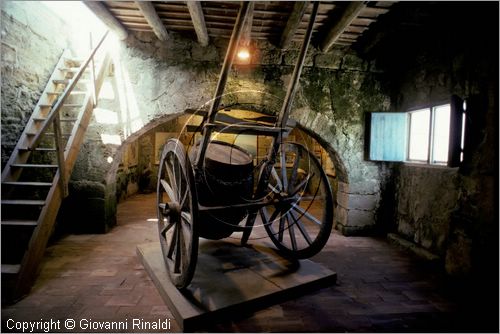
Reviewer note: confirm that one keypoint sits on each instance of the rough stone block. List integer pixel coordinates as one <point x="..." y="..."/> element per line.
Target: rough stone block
<point x="270" y="57"/>
<point x="343" y="199"/>
<point x="458" y="259"/>
<point x="374" y="67"/>
<point x="330" y="60"/>
<point x="363" y="202"/>
<point x="87" y="189"/>
<point x="290" y="58"/>
<point x="9" y="56"/>
<point x="360" y="218"/>
<point x="369" y="186"/>
<point x="264" y="53"/>
<point x="344" y="187"/>
<point x="340" y="216"/>
<point x="208" y="53"/>
<point x="353" y="62"/>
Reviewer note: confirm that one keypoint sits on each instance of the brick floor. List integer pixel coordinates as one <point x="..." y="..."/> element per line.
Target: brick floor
<point x="379" y="288"/>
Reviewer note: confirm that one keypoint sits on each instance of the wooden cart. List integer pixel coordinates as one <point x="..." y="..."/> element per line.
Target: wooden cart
<point x="216" y="190"/>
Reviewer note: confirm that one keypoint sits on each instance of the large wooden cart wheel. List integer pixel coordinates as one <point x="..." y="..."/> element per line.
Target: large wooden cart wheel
<point x="300" y="221"/>
<point x="177" y="213"/>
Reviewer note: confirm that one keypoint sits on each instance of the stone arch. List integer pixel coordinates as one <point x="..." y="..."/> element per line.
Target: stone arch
<point x="113" y="169"/>
<point x="340" y="197"/>
<point x="309" y="128"/>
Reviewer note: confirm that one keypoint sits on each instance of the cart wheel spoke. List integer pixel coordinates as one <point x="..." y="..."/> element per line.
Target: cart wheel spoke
<point x="301" y="185"/>
<point x="277" y="179"/>
<point x="178" y="249"/>
<point x="184" y="198"/>
<point x="291" y="231"/>
<point x="166" y="228"/>
<point x="179" y="181"/>
<point x="173" y="242"/>
<point x="273" y="189"/>
<point x="283" y="171"/>
<point x="281" y="228"/>
<point x="274" y="215"/>
<point x="186" y="230"/>
<point x="186" y="216"/>
<point x="173" y="182"/>
<point x="264" y="217"/>
<point x="311" y="198"/>
<point x="301" y="228"/>
<point x="168" y="189"/>
<point x="293" y="176"/>
<point x="306" y="214"/>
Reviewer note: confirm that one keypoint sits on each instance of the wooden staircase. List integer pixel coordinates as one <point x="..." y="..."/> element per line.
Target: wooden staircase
<point x="35" y="178"/>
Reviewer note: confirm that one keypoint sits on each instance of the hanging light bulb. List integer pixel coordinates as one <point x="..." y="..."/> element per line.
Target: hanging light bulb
<point x="243" y="53"/>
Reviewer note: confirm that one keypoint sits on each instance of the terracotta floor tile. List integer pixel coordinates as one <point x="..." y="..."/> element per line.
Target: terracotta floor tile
<point x="379" y="287"/>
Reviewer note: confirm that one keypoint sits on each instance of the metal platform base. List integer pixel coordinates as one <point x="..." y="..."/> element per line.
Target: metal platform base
<point x="231" y="280"/>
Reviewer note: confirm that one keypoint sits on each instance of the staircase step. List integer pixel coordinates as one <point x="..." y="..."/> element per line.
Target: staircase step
<point x="73" y="60"/>
<point x="33" y="184"/>
<point x="71" y="105"/>
<point x="41" y="119"/>
<point x="67" y="81"/>
<point x="39" y="149"/>
<point x="73" y="119"/>
<point x="51" y="134"/>
<point x="64" y="135"/>
<point x="71" y="69"/>
<point x="33" y="166"/>
<point x="10" y="268"/>
<point x="23" y="202"/>
<point x="19" y="222"/>
<point x="75" y="92"/>
<point x="61" y="81"/>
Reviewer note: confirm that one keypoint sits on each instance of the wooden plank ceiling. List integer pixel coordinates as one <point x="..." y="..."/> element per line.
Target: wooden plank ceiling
<point x="280" y="22"/>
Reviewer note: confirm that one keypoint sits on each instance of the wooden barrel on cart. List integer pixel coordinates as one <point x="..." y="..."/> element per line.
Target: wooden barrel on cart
<point x="226" y="179"/>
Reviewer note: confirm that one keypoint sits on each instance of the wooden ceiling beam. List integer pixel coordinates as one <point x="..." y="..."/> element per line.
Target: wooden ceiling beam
<point x="198" y="20"/>
<point x="247" y="28"/>
<point x="103" y="13"/>
<point x="149" y="12"/>
<point x="299" y="9"/>
<point x="350" y="13"/>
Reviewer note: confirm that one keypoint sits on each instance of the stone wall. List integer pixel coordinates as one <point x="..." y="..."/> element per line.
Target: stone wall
<point x="450" y="211"/>
<point x="152" y="80"/>
<point x="426" y="197"/>
<point x="335" y="92"/>
<point x="31" y="47"/>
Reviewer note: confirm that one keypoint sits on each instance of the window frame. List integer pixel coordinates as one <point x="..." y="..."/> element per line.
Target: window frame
<point x="457" y="134"/>
<point x="408" y="135"/>
<point x="431" y="107"/>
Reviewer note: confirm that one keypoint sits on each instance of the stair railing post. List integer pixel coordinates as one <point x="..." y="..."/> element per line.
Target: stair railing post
<point x="60" y="155"/>
<point x="92" y="73"/>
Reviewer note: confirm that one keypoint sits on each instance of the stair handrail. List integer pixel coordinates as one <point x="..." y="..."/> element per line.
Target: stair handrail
<point x="57" y="106"/>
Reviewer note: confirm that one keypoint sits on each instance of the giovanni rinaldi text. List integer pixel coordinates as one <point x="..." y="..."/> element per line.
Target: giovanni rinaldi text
<point x="86" y="324"/>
